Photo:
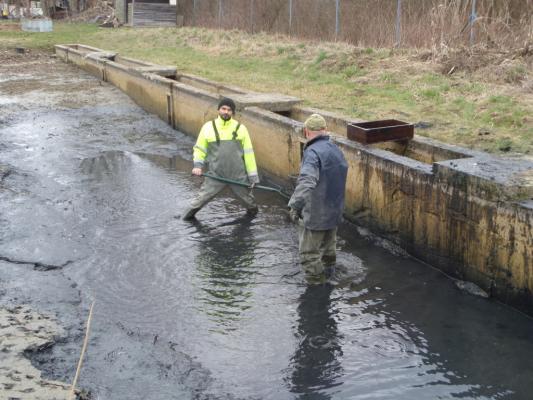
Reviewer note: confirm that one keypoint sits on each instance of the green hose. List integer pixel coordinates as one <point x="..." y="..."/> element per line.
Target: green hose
<point x="244" y="184"/>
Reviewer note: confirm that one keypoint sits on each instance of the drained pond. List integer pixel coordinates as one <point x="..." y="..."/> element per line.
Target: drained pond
<point x="91" y="187"/>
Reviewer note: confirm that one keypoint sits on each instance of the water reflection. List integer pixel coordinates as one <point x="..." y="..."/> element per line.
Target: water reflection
<point x="225" y="264"/>
<point x="391" y="328"/>
<point x="175" y="163"/>
<point x="108" y="164"/>
<point x="315" y="364"/>
<point x="411" y="337"/>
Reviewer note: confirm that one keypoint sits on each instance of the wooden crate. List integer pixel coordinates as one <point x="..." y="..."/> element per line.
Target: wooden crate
<point x="380" y="131"/>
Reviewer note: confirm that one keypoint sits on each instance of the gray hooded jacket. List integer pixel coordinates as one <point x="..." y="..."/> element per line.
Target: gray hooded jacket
<point x="319" y="193"/>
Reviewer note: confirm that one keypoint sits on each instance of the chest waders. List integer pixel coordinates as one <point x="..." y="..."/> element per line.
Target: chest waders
<point x="226" y="160"/>
<point x="226" y="157"/>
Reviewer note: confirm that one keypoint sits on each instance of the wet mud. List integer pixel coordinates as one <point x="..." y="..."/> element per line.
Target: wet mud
<point x="90" y="186"/>
<point x="23" y="330"/>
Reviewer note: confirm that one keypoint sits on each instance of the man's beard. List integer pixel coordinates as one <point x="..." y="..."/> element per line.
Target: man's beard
<point x="225" y="117"/>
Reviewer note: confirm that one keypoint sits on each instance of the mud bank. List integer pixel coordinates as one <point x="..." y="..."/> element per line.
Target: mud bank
<point x="466" y="212"/>
<point x="24" y="330"/>
<point x="41" y="307"/>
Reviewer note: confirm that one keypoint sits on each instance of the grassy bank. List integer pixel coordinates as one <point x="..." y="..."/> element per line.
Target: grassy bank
<point x="476" y="98"/>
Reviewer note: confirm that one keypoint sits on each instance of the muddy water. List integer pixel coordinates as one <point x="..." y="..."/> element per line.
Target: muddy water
<point x="215" y="309"/>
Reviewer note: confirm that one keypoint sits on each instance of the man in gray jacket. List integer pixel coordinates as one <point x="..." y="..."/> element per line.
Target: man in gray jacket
<point x="318" y="200"/>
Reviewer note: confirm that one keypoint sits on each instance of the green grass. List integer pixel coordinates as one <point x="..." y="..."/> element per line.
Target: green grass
<point x="321" y="57"/>
<point x="362" y="83"/>
<point x="63" y="33"/>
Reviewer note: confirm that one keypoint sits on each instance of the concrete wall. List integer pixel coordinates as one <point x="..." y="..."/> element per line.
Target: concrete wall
<point x="208" y="85"/>
<point x="466" y="212"/>
<point x="277" y="141"/>
<point x="192" y="107"/>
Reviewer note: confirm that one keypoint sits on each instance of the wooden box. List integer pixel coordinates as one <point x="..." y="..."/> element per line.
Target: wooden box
<point x="380" y="131"/>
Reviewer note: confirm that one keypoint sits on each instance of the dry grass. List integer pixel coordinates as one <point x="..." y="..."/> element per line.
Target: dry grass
<point x="8" y="26"/>
<point x="486" y="102"/>
<point x="371" y="23"/>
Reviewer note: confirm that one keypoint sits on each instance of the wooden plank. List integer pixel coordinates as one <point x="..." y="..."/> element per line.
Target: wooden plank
<point x="153" y="14"/>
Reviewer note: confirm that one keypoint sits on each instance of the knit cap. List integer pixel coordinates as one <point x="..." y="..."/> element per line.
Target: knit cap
<point x="315" y="122"/>
<point x="226" y="102"/>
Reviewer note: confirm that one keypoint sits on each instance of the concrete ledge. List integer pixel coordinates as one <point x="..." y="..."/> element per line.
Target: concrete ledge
<point x="269" y="101"/>
<point x="489" y="178"/>
<point x="131" y="62"/>
<point x="336" y="123"/>
<point x="206" y="84"/>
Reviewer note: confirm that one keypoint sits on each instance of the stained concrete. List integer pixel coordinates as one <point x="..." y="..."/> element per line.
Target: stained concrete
<point x="269" y="101"/>
<point x="463" y="211"/>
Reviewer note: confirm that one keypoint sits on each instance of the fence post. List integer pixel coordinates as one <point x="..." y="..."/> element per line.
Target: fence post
<point x="398" y="23"/>
<point x="252" y="16"/>
<point x="219" y="14"/>
<point x="132" y="11"/>
<point x="290" y="17"/>
<point x="193" y="12"/>
<point x="337" y="19"/>
<point x="473" y="18"/>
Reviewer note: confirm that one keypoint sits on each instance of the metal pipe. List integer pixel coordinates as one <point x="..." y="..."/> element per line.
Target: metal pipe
<point x="473" y="18"/>
<point x="244" y="184"/>
<point x="398" y="23"/>
<point x="337" y="19"/>
<point x="290" y="17"/>
<point x="252" y="16"/>
<point x="219" y="14"/>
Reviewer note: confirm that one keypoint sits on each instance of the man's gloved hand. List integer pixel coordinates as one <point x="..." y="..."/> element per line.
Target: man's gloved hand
<point x="254" y="180"/>
<point x="294" y="215"/>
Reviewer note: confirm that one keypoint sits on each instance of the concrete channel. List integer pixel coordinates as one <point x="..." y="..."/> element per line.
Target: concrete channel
<point x="90" y="184"/>
<point x="465" y="212"/>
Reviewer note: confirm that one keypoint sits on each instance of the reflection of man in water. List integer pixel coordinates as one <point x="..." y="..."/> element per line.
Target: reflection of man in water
<point x="225" y="264"/>
<point x="315" y="365"/>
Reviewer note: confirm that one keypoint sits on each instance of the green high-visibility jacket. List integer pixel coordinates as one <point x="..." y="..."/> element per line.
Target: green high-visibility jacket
<point x="230" y="155"/>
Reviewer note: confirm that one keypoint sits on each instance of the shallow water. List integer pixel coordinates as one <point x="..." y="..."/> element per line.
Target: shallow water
<point x="217" y="308"/>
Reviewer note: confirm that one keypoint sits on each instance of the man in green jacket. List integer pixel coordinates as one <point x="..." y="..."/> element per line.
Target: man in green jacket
<point x="225" y="149"/>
